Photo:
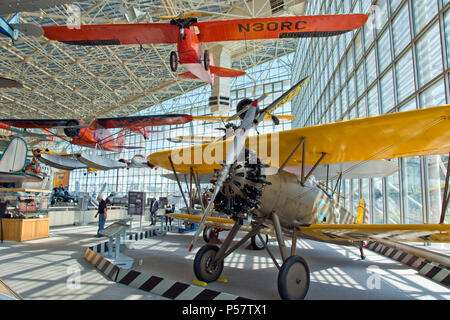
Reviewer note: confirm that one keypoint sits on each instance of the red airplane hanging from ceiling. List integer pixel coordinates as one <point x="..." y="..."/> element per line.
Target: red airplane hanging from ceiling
<point x="188" y="34"/>
<point x="95" y="134"/>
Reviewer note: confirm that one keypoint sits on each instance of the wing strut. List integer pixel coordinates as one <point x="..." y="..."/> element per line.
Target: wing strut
<point x="304" y="178"/>
<point x="446" y="196"/>
<point x="179" y="185"/>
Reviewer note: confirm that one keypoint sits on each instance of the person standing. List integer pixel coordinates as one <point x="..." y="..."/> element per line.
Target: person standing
<point x="168" y="210"/>
<point x="153" y="208"/>
<point x="102" y="215"/>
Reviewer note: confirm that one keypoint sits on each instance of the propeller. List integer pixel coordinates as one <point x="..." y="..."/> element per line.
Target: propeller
<point x="284" y="98"/>
<point x="252" y="118"/>
<point x="232" y="155"/>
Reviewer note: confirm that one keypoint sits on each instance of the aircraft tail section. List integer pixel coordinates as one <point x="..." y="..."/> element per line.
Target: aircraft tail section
<point x="14" y="19"/>
<point x="361" y="212"/>
<point x="14" y="156"/>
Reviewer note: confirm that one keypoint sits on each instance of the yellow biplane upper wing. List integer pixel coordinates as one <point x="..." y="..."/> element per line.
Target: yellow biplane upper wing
<point x="375" y="232"/>
<point x="403" y="134"/>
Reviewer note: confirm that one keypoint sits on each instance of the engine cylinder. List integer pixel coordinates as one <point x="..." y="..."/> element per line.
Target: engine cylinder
<point x="249" y="190"/>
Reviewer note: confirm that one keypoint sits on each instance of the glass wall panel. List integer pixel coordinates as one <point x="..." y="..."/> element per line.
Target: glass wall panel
<point x="393" y="198"/>
<point x="396" y="63"/>
<point x="428" y="55"/>
<point x="423" y="12"/>
<point x="412" y="193"/>
<point x="404" y="72"/>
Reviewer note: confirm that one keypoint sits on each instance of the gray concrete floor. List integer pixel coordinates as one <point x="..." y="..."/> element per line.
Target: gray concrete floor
<point x="54" y="268"/>
<point x="337" y="272"/>
<point x="48" y="268"/>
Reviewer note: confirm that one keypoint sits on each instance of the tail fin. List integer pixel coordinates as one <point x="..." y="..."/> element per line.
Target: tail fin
<point x="14" y="157"/>
<point x="361" y="211"/>
<point x="14" y="19"/>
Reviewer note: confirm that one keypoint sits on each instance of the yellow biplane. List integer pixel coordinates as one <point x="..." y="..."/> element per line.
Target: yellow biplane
<point x="271" y="188"/>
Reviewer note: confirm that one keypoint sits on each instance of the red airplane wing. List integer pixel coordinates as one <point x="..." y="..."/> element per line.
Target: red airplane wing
<point x="279" y="27"/>
<point x="144" y="121"/>
<point x="114" y="34"/>
<point x="104" y="123"/>
<point x="224" y="72"/>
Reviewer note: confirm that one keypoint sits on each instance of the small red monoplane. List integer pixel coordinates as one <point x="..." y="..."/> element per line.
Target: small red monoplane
<point x="188" y="34"/>
<point x="95" y="134"/>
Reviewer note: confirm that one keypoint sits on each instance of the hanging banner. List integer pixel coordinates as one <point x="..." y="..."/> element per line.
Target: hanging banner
<point x="61" y="179"/>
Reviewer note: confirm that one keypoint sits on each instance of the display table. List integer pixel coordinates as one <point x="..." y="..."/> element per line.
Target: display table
<point x="25" y="229"/>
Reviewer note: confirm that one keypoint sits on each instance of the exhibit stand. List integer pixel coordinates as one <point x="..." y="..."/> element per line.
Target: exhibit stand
<point x="116" y="234"/>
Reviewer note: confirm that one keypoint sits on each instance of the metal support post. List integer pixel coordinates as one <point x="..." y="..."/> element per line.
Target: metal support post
<point x="279" y="234"/>
<point x="446" y="196"/>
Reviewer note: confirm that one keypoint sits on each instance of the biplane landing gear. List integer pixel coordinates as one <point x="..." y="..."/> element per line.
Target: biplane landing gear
<point x="362" y="244"/>
<point x="257" y="244"/>
<point x="293" y="279"/>
<point x="206" y="268"/>
<point x="173" y="61"/>
<point x="211" y="235"/>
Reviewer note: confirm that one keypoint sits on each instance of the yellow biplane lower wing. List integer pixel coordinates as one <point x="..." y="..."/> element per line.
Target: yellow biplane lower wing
<point x="216" y="222"/>
<point x="375" y="232"/>
<point x="348" y="232"/>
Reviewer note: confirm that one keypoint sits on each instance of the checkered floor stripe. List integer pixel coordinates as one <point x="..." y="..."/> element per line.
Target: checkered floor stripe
<point x="170" y="288"/>
<point x="150" y="283"/>
<point x="429" y="269"/>
<point x="106" y="267"/>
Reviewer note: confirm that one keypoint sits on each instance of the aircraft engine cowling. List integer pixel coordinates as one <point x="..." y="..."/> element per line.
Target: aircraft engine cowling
<point x="72" y="132"/>
<point x="242" y="190"/>
<point x="251" y="189"/>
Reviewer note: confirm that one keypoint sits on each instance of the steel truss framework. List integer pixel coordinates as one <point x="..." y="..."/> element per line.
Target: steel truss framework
<point x="60" y="80"/>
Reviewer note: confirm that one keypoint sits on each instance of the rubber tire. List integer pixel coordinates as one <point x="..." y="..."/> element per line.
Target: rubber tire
<point x="206" y="234"/>
<point x="206" y="60"/>
<point x="203" y="256"/>
<point x="173" y="61"/>
<point x="256" y="242"/>
<point x="287" y="276"/>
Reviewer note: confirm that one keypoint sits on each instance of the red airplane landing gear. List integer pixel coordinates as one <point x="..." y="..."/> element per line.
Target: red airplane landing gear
<point x="206" y="60"/>
<point x="173" y="61"/>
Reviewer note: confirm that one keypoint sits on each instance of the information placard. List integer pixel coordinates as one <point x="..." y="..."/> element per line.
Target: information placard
<point x="136" y="203"/>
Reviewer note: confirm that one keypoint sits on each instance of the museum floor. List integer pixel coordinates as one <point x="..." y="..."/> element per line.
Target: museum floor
<point x="55" y="269"/>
